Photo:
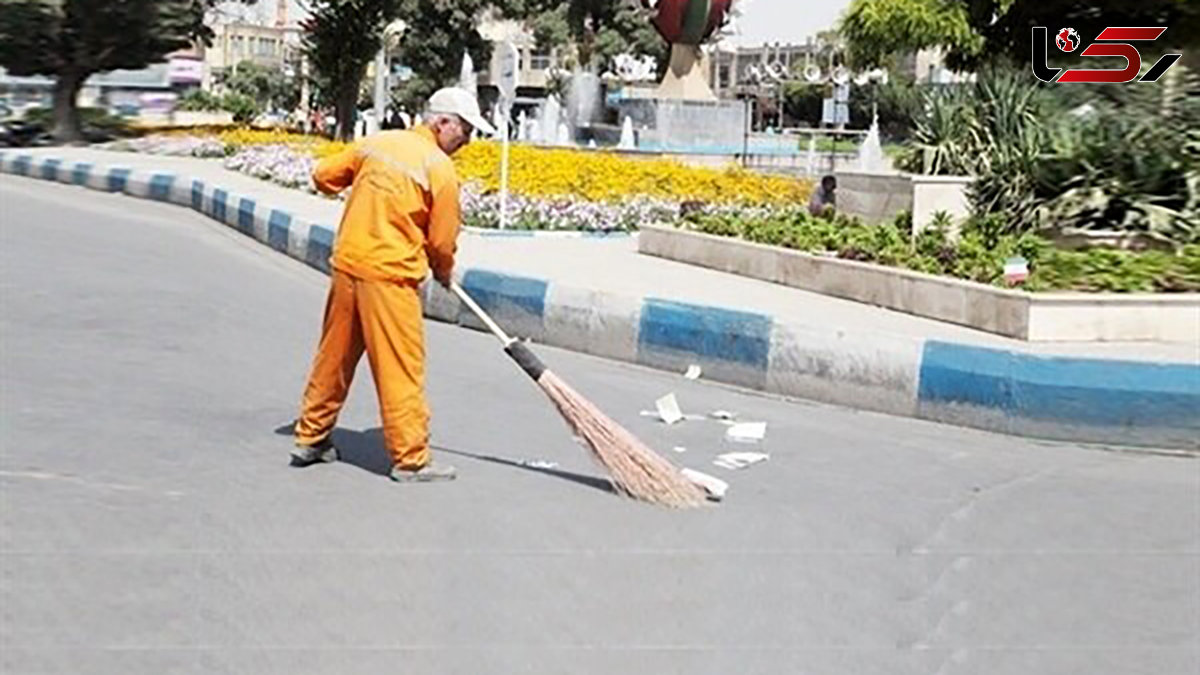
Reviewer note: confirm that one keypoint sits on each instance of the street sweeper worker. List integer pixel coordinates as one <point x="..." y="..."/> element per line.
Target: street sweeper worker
<point x="400" y="223"/>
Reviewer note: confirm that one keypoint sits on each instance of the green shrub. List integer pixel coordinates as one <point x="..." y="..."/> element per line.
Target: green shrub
<point x="243" y="107"/>
<point x="199" y="100"/>
<point x="95" y="123"/>
<point x="979" y="254"/>
<point x="1109" y="157"/>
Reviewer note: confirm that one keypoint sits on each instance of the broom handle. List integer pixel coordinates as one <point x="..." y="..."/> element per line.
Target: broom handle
<point x="487" y="320"/>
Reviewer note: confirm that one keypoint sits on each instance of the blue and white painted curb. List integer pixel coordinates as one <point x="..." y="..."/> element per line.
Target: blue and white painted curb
<point x="1089" y="400"/>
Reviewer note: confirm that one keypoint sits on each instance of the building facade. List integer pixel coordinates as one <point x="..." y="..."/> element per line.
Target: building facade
<point x="740" y="70"/>
<point x="536" y="65"/>
<point x="236" y="42"/>
<point x="735" y="71"/>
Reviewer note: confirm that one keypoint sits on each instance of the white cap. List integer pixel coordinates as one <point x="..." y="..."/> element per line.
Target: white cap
<point x="458" y="101"/>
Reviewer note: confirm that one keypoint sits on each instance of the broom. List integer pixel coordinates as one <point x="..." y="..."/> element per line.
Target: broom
<point x="635" y="469"/>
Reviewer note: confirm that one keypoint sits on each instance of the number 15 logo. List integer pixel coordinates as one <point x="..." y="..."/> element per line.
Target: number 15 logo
<point x="1110" y="42"/>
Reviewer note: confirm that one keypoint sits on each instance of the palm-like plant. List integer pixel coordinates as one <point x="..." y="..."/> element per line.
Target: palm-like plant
<point x="940" y="138"/>
<point x="991" y="129"/>
<point x="1131" y="162"/>
<point x="1009" y="139"/>
<point x="1128" y="159"/>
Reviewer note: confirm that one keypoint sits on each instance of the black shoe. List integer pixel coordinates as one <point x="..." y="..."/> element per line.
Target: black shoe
<point x="321" y="453"/>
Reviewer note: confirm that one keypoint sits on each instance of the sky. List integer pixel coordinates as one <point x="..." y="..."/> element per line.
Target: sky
<point x="784" y="20"/>
<point x="762" y="20"/>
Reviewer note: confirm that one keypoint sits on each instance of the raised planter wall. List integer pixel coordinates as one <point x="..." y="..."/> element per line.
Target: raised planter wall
<point x="1075" y="317"/>
<point x="878" y="198"/>
<point x="185" y="118"/>
<point x="875" y="198"/>
<point x="931" y="194"/>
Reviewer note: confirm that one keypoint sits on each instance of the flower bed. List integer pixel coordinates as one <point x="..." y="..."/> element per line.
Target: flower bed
<point x="276" y="163"/>
<point x="551" y="189"/>
<point x="976" y="256"/>
<point x="225" y="142"/>
<point x="607" y="176"/>
<point x="533" y="213"/>
<point x="172" y="145"/>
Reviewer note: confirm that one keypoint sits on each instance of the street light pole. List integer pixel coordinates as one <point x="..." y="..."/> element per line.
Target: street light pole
<point x="382" y="73"/>
<point x="510" y="76"/>
<point x="380" y="88"/>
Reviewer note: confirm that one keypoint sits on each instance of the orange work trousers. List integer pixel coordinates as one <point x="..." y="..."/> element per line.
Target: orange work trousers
<point x="384" y="318"/>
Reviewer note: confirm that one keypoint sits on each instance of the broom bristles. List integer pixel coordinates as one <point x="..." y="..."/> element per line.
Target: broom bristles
<point x="636" y="470"/>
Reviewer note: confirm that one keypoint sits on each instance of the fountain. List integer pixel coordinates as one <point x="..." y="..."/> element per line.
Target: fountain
<point x="563" y="137"/>
<point x="627" y="139"/>
<point x="870" y="153"/>
<point x="496" y="114"/>
<point x="522" y="127"/>
<point x="546" y="131"/>
<point x="583" y="101"/>
<point x="466" y="75"/>
<point x="683" y="114"/>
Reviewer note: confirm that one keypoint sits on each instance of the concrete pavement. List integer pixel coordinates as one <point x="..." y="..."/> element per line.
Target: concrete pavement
<point x="150" y="523"/>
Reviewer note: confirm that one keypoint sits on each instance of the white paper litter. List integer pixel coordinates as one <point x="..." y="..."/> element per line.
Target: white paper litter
<point x="668" y="409"/>
<point x="746" y="432"/>
<point x="715" y="487"/>
<point x="740" y="460"/>
<point x="691" y="417"/>
<point x="693" y="372"/>
<point x="679" y="448"/>
<point x="540" y="464"/>
<point x="723" y="415"/>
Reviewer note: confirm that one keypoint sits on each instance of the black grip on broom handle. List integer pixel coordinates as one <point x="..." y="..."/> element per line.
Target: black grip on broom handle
<point x="520" y="353"/>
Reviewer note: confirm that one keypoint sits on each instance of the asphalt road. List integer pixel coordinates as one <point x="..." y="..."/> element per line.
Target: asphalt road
<point x="151" y="523"/>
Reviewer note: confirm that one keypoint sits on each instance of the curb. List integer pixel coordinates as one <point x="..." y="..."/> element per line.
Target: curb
<point x="1061" y="398"/>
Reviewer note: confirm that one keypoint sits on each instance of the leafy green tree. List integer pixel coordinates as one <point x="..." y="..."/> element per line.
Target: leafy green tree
<point x="71" y="40"/>
<point x="198" y="100"/>
<point x="597" y="29"/>
<point x="269" y="88"/>
<point x="897" y="103"/>
<point x="434" y="41"/>
<point x="977" y="31"/>
<point x="243" y="108"/>
<point x="341" y="37"/>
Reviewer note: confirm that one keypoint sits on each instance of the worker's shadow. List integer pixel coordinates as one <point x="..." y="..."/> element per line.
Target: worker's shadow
<point x="365" y="450"/>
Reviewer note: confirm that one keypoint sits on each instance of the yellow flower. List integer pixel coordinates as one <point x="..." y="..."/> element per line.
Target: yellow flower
<point x="559" y="172"/>
<point x="608" y="176"/>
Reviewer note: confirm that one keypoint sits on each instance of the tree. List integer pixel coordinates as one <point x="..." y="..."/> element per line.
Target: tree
<point x="269" y="88"/>
<point x="198" y="100"/>
<point x="598" y="29"/>
<point x="343" y="36"/>
<point x="437" y="35"/>
<point x="340" y="38"/>
<point x="71" y="40"/>
<point x="897" y="103"/>
<point x="975" y="32"/>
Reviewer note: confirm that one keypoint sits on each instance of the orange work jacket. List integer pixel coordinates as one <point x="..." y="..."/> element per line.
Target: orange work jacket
<point x="402" y="216"/>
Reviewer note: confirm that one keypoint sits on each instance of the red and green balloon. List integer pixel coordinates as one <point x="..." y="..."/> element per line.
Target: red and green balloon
<point x="688" y="22"/>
